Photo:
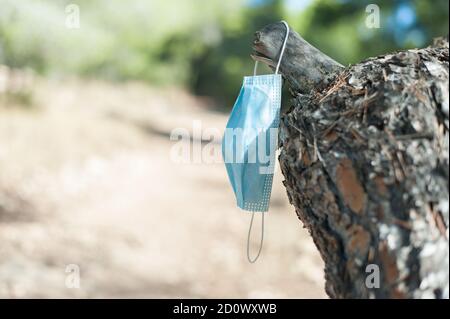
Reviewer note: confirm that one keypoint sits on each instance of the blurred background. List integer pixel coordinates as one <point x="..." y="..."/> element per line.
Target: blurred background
<point x="90" y="92"/>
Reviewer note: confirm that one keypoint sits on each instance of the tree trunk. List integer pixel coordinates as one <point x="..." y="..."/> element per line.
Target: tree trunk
<point x="364" y="154"/>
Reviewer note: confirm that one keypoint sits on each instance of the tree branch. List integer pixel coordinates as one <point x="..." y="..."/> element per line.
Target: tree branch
<point x="303" y="66"/>
<point x="365" y="162"/>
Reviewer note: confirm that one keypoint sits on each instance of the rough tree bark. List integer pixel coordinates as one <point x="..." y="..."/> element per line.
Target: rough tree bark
<point x="364" y="154"/>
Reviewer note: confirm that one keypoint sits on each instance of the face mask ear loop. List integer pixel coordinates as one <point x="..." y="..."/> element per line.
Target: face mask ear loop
<point x="260" y="243"/>
<point x="283" y="47"/>
<point x="256" y="68"/>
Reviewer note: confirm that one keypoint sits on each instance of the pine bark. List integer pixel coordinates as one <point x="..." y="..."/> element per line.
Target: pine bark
<point x="365" y="158"/>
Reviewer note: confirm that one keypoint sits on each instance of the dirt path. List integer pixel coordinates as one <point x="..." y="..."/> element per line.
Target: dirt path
<point x="87" y="180"/>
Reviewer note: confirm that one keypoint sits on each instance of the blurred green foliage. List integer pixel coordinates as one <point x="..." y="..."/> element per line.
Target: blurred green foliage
<point x="338" y="27"/>
<point x="201" y="45"/>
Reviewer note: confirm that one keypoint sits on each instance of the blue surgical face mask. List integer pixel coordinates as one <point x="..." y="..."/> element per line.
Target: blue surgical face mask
<point x="250" y="141"/>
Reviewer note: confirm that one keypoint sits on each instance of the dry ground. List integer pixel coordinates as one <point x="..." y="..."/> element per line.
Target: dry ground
<point x="86" y="178"/>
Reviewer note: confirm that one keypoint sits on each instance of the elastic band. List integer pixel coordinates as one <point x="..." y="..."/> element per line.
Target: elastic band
<point x="283" y="47"/>
<point x="281" y="53"/>
<point x="260" y="243"/>
<point x="255" y="68"/>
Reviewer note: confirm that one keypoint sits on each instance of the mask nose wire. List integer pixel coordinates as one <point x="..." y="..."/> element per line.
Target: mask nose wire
<point x="281" y="53"/>
<point x="252" y="260"/>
